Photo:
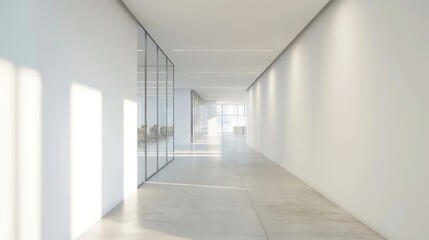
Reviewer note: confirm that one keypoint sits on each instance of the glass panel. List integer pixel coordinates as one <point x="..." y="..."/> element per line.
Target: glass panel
<point x="229" y="122"/>
<point x="199" y="117"/>
<point x="229" y="110"/>
<point x="151" y="107"/>
<point x="219" y="110"/>
<point x="241" y="121"/>
<point x="230" y="116"/>
<point x="241" y="110"/>
<point x="141" y="108"/>
<point x="219" y="123"/>
<point x="205" y="117"/>
<point x="194" y="132"/>
<point x="162" y="109"/>
<point x="170" y="111"/>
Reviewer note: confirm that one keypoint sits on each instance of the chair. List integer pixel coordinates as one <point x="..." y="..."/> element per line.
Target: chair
<point x="141" y="135"/>
<point x="153" y="132"/>
<point x="163" y="131"/>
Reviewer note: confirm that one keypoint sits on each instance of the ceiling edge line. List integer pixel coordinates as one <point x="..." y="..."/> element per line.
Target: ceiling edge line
<point x="293" y="40"/>
<point x="141" y="25"/>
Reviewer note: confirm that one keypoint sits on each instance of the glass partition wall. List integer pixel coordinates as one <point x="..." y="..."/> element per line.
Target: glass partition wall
<point x="199" y="117"/>
<point x="155" y="92"/>
<point x="170" y="111"/>
<point x="162" y="109"/>
<point x="141" y="106"/>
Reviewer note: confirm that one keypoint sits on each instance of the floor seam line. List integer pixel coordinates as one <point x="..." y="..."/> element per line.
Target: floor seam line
<point x="251" y="201"/>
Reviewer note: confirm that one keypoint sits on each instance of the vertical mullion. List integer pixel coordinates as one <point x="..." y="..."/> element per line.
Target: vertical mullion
<point x="145" y="105"/>
<point x="166" y="110"/>
<point x="222" y="117"/>
<point x="157" y="110"/>
<point x="174" y="110"/>
<point x="236" y="116"/>
<point x="192" y="116"/>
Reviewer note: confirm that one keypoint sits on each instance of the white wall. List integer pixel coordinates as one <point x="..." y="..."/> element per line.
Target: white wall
<point x="345" y="109"/>
<point x="83" y="55"/>
<point x="182" y="116"/>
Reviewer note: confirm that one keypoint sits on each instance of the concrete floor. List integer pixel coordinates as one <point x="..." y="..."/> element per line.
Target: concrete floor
<point x="223" y="189"/>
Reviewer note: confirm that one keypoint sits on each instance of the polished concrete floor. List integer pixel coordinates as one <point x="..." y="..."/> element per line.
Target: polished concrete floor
<point x="222" y="189"/>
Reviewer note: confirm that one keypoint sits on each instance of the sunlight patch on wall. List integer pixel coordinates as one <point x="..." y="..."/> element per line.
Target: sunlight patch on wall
<point x="29" y="153"/>
<point x="130" y="147"/>
<point x="7" y="150"/>
<point x="86" y="158"/>
<point x="20" y="152"/>
<point x="212" y="126"/>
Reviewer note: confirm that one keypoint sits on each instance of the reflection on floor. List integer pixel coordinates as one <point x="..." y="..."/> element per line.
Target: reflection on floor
<point x="226" y="191"/>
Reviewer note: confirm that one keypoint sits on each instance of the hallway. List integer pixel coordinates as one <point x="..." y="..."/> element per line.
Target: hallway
<point x="223" y="189"/>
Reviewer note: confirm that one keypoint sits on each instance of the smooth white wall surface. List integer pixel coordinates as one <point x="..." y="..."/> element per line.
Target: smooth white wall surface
<point x="345" y="109"/>
<point x="182" y="116"/>
<point x="89" y="44"/>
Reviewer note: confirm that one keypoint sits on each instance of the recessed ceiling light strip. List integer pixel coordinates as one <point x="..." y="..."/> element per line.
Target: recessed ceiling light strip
<point x="221" y="72"/>
<point x="222" y="50"/>
<point x="221" y="87"/>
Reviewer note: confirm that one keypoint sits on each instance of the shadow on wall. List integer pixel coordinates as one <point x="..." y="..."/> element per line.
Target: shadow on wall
<point x="43" y="182"/>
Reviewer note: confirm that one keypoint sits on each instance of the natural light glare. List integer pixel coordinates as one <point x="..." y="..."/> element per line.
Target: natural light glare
<point x="7" y="150"/>
<point x="296" y="77"/>
<point x="29" y="154"/>
<point x="258" y="109"/>
<point x="272" y="89"/>
<point x="296" y="88"/>
<point x="212" y="126"/>
<point x="86" y="157"/>
<point x="130" y="147"/>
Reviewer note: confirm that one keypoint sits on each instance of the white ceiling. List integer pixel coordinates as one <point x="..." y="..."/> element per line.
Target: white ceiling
<point x="223" y="25"/>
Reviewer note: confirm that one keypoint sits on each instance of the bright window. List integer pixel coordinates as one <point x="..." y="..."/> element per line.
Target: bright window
<point x="229" y="116"/>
